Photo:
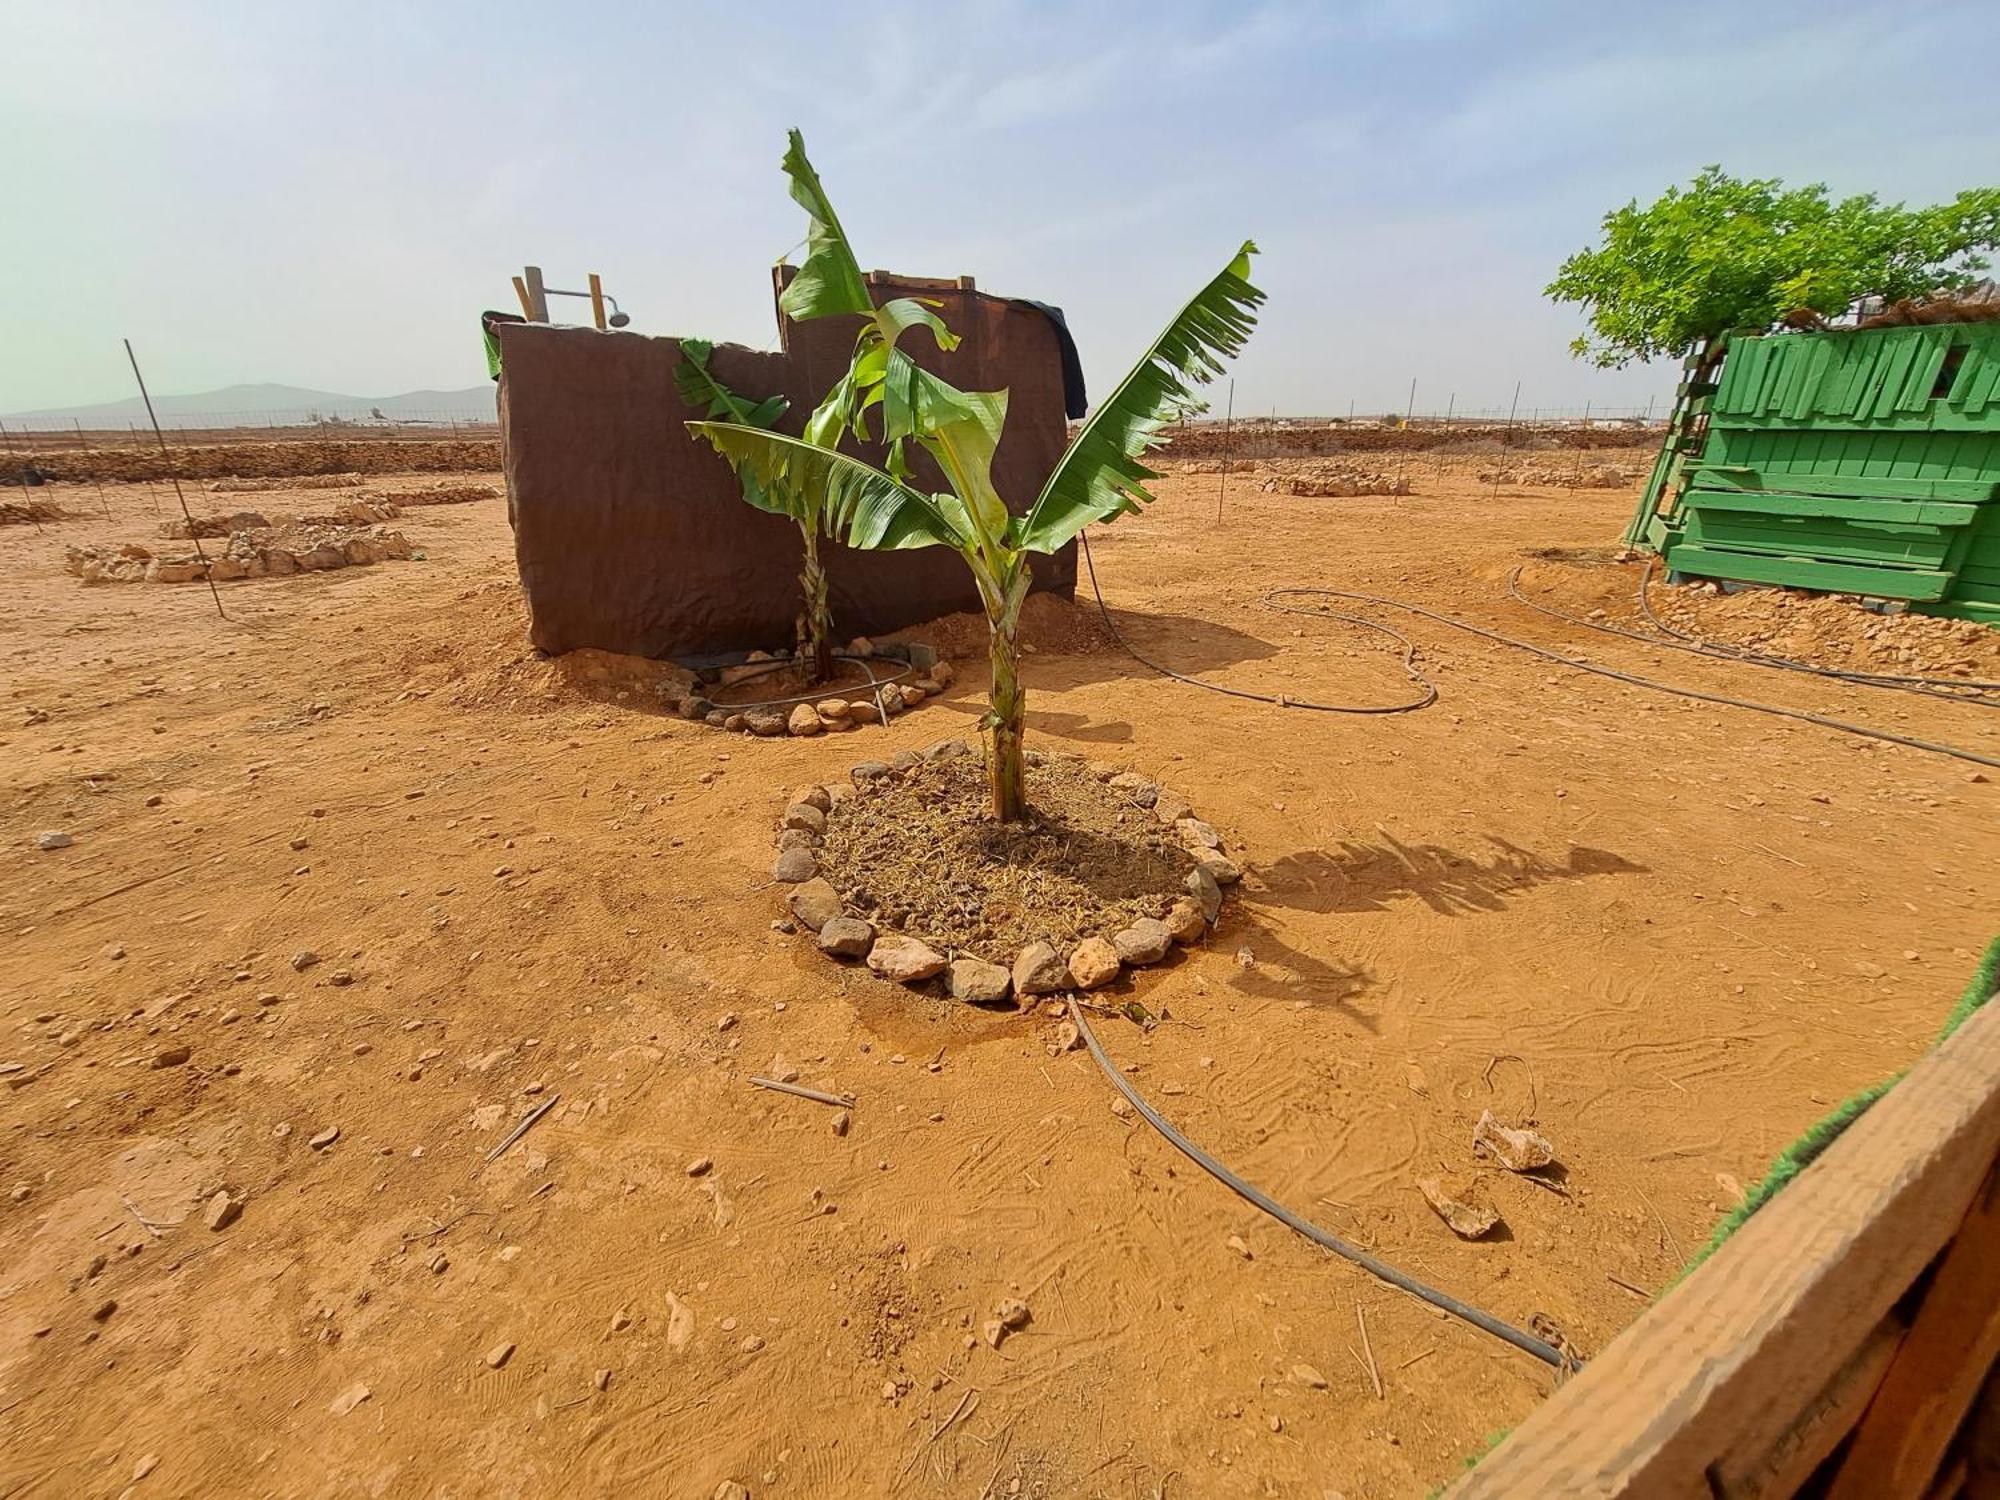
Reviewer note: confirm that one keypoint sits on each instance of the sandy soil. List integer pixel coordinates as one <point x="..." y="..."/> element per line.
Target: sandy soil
<point x="1668" y="934"/>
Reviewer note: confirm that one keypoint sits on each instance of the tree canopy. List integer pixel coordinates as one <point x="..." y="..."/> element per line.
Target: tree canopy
<point x="1722" y="254"/>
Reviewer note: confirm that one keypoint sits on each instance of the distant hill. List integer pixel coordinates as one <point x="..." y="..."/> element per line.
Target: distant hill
<point x="275" y="405"/>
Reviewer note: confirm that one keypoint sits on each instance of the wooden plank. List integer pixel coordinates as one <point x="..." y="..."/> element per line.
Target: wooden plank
<point x="1838" y="507"/>
<point x="597" y="301"/>
<point x="1749" y="480"/>
<point x="1725" y="1361"/>
<point x="1809" y="573"/>
<point x="538" y="297"/>
<point x="1781" y="1467"/>
<point x="1929" y="1388"/>
<point x="527" y="304"/>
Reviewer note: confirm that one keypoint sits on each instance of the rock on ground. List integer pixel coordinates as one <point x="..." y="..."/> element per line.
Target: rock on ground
<point x="977" y="982"/>
<point x="814" y="902"/>
<point x="795" y="865"/>
<point x="1146" y="941"/>
<point x="846" y="937"/>
<point x="905" y="960"/>
<point x="1040" y="970"/>
<point x="1094" y="963"/>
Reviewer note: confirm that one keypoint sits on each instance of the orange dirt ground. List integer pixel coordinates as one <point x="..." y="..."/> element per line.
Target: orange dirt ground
<point x="1666" y="933"/>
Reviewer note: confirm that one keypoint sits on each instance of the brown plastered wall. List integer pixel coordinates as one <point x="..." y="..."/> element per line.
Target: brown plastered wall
<point x="632" y="536"/>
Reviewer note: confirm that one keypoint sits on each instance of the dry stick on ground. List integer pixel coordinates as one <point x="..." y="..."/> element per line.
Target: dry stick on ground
<point x="527" y="1121"/>
<point x="971" y="1395"/>
<point x="1640" y="1292"/>
<point x="1672" y="1243"/>
<point x="839" y="1101"/>
<point x="1374" y="1372"/>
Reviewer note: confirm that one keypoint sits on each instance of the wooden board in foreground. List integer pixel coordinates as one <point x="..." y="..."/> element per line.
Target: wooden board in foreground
<point x="1743" y="1377"/>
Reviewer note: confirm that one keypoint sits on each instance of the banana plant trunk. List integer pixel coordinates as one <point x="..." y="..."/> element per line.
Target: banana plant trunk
<point x="815" y="623"/>
<point x="1007" y="702"/>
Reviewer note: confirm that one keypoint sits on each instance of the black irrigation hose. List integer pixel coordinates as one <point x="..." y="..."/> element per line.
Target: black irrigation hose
<point x="1627" y="677"/>
<point x="1927" y="685"/>
<point x="1430" y="692"/>
<point x="1526" y="1342"/>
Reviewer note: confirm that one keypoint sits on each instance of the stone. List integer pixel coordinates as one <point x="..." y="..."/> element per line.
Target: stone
<point x="947" y="750"/>
<point x="1013" y="1314"/>
<point x="694" y="706"/>
<point x="815" y="903"/>
<point x="905" y="959"/>
<point x="905" y="760"/>
<point x="701" y="1166"/>
<point x="1142" y="790"/>
<point x="1065" y="1038"/>
<point x="805" y="815"/>
<point x="1516" y="1150"/>
<point x="813" y="796"/>
<point x="716" y="718"/>
<point x="304" y="959"/>
<point x="736" y="723"/>
<point x="730" y="1489"/>
<point x="340" y="978"/>
<point x="846" y="937"/>
<point x="1235" y="1242"/>
<point x="977" y="982"/>
<point x="832" y="708"/>
<point x="1307" y="1376"/>
<point x="1467" y="1220"/>
<point x="841" y="1122"/>
<point x="1146" y="941"/>
<point x="1093" y="964"/>
<point x="172" y="1057"/>
<point x="912" y="694"/>
<point x="1040" y="970"/>
<point x="348" y="1399"/>
<point x="1220" y="866"/>
<point x="601" y="1380"/>
<point x="498" y="1355"/>
<point x="794" y="865"/>
<point x="1170" y="807"/>
<point x="796" y="838"/>
<point x="1185" y="921"/>
<point x="867" y="771"/>
<point x="221" y="1210"/>
<point x="804" y="720"/>
<point x="1195" y="834"/>
<point x="55" y="839"/>
<point x="768" y="722"/>
<point x="325" y="1138"/>
<point x="1201" y="885"/>
<point x="941" y="673"/>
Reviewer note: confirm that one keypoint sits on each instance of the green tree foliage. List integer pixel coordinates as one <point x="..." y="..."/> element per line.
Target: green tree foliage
<point x="1723" y="254"/>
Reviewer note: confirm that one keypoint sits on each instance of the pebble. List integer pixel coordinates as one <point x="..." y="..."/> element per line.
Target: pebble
<point x="815" y="903"/>
<point x="1066" y="1039"/>
<point x="1235" y="1242"/>
<point x="1197" y="834"/>
<point x="348" y="1399"/>
<point x="1146" y="941"/>
<point x="841" y="1121"/>
<point x="804" y="816"/>
<point x="977" y="982"/>
<point x="846" y="937"/>
<point x="1202" y="886"/>
<point x="1306" y="1375"/>
<point x="700" y="1167"/>
<point x="340" y="978"/>
<point x="325" y="1138"/>
<point x="1094" y="963"/>
<point x="726" y="1020"/>
<point x="1184" y="920"/>
<point x="1040" y="970"/>
<point x="54" y="839"/>
<point x="304" y="959"/>
<point x="172" y="1057"/>
<point x="905" y="960"/>
<point x="804" y="720"/>
<point x="1140" y="789"/>
<point x="222" y="1210"/>
<point x="498" y="1355"/>
<point x="814" y="796"/>
<point x="621" y="1320"/>
<point x="602" y="1380"/>
<point x="145" y="1466"/>
<point x="794" y="866"/>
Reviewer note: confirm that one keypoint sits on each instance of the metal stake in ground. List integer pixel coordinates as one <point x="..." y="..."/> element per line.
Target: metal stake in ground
<point x="1228" y="416"/>
<point x="194" y="532"/>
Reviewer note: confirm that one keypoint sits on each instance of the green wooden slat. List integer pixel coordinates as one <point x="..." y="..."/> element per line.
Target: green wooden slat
<point x="1770" y="503"/>
<point x="1977" y="359"/>
<point x="1924" y="370"/>
<point x="1806" y="482"/>
<point x="1902" y="355"/>
<point x="1808" y="573"/>
<point x="1832" y="541"/>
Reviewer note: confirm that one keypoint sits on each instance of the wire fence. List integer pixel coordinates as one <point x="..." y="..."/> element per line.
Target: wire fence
<point x="368" y="423"/>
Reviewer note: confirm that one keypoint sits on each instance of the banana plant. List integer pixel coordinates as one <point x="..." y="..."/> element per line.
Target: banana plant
<point x="1099" y="478"/>
<point x="699" y="388"/>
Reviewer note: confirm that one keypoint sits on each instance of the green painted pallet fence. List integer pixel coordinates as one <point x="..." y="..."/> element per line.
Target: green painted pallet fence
<point x="1858" y="461"/>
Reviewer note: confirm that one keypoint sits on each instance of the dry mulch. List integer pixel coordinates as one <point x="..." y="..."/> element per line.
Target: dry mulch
<point x="921" y="854"/>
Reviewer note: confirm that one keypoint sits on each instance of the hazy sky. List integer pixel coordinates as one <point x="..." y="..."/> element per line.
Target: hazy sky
<point x="327" y="194"/>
